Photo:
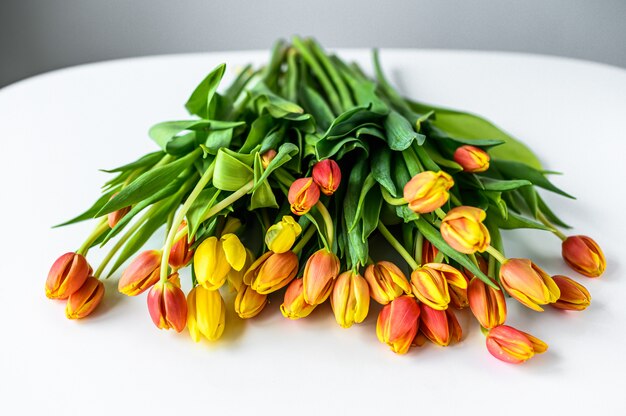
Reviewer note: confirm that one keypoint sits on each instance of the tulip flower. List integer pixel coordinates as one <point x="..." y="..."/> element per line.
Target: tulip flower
<point x="272" y="271"/>
<point x="458" y="295"/>
<point x="429" y="252"/>
<point x="487" y="304"/>
<point x="67" y="274"/>
<point x="398" y="323"/>
<point x="141" y="273"/>
<point x="235" y="277"/>
<point x="267" y="157"/>
<point x="440" y="327"/>
<point x="386" y="282"/>
<point x="167" y="306"/>
<point x="214" y="259"/>
<point x="528" y="283"/>
<point x="320" y="272"/>
<point x="303" y="195"/>
<point x="464" y="231"/>
<point x="249" y="303"/>
<point x="350" y="299"/>
<point x="181" y="253"/>
<point x="427" y="191"/>
<point x="82" y="302"/>
<point x="327" y="176"/>
<point x="114" y="217"/>
<point x="429" y="284"/>
<point x="583" y="255"/>
<point x="280" y="237"/>
<point x="513" y="346"/>
<point x="574" y="296"/>
<point x="207" y="314"/>
<point x="471" y="158"/>
<point x="294" y="305"/>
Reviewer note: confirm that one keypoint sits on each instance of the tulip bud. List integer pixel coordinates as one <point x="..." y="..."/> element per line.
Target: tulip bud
<point x="350" y="299"/>
<point x="294" y="306"/>
<point x="214" y="259"/>
<point x="327" y="176"/>
<point x="267" y="157"/>
<point x="67" y="274"/>
<point x="487" y="304"/>
<point x="427" y="191"/>
<point x="141" y="273"/>
<point x="386" y="282"/>
<point x="471" y="158"/>
<point x="280" y="237"/>
<point x="574" y="296"/>
<point x="207" y="313"/>
<point x="232" y="226"/>
<point x="303" y="195"/>
<point x="319" y="274"/>
<point x="458" y="295"/>
<point x="464" y="231"/>
<point x="249" y="303"/>
<point x="114" y="217"/>
<point x="398" y="323"/>
<point x="273" y="272"/>
<point x="429" y="284"/>
<point x="440" y="327"/>
<point x="82" y="302"/>
<point x="513" y="346"/>
<point x="584" y="255"/>
<point x="429" y="252"/>
<point x="167" y="306"/>
<point x="181" y="253"/>
<point x="528" y="283"/>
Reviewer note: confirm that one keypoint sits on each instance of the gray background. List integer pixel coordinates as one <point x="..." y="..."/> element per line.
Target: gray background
<point x="41" y="35"/>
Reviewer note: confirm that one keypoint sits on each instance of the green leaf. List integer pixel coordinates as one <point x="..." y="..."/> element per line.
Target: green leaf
<point x="550" y="215"/>
<point x="263" y="99"/>
<point x="499" y="185"/>
<point x="217" y="139"/>
<point x="201" y="205"/>
<point x="381" y="169"/>
<point x="145" y="161"/>
<point x="400" y="133"/>
<point x="371" y="212"/>
<point x="93" y="210"/>
<point x="284" y="154"/>
<point x="198" y="102"/>
<point x="497" y="202"/>
<point x="162" y="133"/>
<point x="366" y="185"/>
<point x="433" y="235"/>
<point x="351" y="120"/>
<point x="315" y="105"/>
<point x="514" y="221"/>
<point x="149" y="183"/>
<point x="404" y="212"/>
<point x="400" y="172"/>
<point x="353" y="192"/>
<point x="262" y="194"/>
<point x="424" y="157"/>
<point x="519" y="170"/>
<point x="231" y="173"/>
<point x="436" y="157"/>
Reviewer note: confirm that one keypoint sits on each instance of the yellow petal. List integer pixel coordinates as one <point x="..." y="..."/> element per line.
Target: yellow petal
<point x="235" y="251"/>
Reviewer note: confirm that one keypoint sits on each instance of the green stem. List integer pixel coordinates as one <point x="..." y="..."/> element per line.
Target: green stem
<point x="548" y="224"/>
<point x="102" y="226"/>
<point x="496" y="254"/>
<point x="397" y="246"/>
<point x="328" y="222"/>
<point x="310" y="232"/>
<point x="390" y="199"/>
<point x="180" y="215"/>
<point x="440" y="213"/>
<point x="491" y="267"/>
<point x="342" y="89"/>
<point x="455" y="200"/>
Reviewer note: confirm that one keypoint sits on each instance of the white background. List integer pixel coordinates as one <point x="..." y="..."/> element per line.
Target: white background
<point x="56" y="130"/>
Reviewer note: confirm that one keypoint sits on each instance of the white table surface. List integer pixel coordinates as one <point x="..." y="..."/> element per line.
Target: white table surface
<point x="57" y="129"/>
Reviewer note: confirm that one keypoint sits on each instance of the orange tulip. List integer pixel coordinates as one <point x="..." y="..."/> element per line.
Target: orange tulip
<point x="464" y="231"/>
<point x="303" y="195"/>
<point x="350" y="299"/>
<point x="386" y="282"/>
<point x="272" y="271"/>
<point x="584" y="255"/>
<point x="471" y="158"/>
<point x="427" y="191"/>
<point x="513" y="346"/>
<point x="429" y="252"/>
<point x="398" y="323"/>
<point x="114" y="217"/>
<point x="181" y="252"/>
<point x="267" y="157"/>
<point x="440" y="327"/>
<point x="320" y="272"/>
<point x="141" y="273"/>
<point x="167" y="306"/>
<point x="487" y="304"/>
<point x="429" y="284"/>
<point x="528" y="283"/>
<point x="67" y="274"/>
<point x="294" y="305"/>
<point x="327" y="176"/>
<point x="249" y="303"/>
<point x="574" y="296"/>
<point x="82" y="302"/>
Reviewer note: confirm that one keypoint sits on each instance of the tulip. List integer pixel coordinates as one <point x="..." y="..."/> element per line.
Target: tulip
<point x="528" y="283"/>
<point x="513" y="346"/>
<point x="320" y="272"/>
<point x="167" y="306"/>
<point x="207" y="314"/>
<point x="487" y="304"/>
<point x="464" y="231"/>
<point x="181" y="253"/>
<point x="267" y="157"/>
<point x="67" y="274"/>
<point x="272" y="272"/>
<point x="114" y="217"/>
<point x="458" y="295"/>
<point x="574" y="296"/>
<point x="350" y="299"/>
<point x="280" y="237"/>
<point x="440" y="327"/>
<point x="214" y="259"/>
<point x="232" y="226"/>
<point x="583" y="255"/>
<point x="398" y="323"/>
<point x="327" y="176"/>
<point x="303" y="195"/>
<point x="427" y="191"/>
<point x="386" y="282"/>
<point x="294" y="306"/>
<point x="249" y="303"/>
<point x="471" y="158"/>
<point x="82" y="302"/>
<point x="141" y="273"/>
<point x="429" y="284"/>
<point x="235" y="277"/>
<point x="429" y="252"/>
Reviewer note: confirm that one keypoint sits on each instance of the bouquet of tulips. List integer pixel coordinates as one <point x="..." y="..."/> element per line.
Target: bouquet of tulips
<point x="278" y="182"/>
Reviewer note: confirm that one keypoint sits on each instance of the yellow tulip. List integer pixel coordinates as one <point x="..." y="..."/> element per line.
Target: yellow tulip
<point x="281" y="236"/>
<point x="249" y="303"/>
<point x="214" y="259"/>
<point x="206" y="314"/>
<point x="350" y="299"/>
<point x="427" y="191"/>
